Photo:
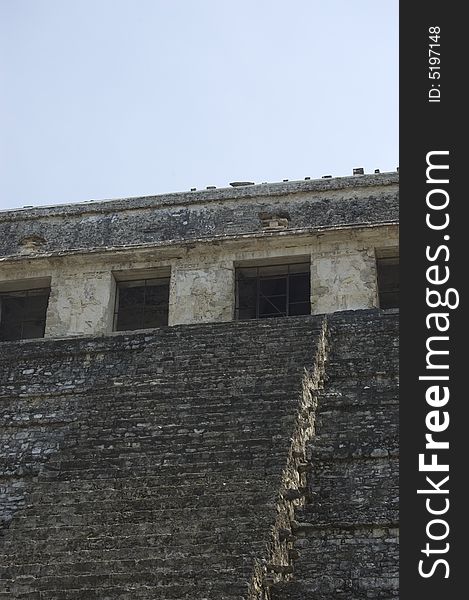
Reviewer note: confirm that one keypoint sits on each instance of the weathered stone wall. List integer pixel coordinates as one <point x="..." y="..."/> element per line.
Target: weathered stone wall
<point x="150" y="465"/>
<point x="187" y="217"/>
<point x="346" y="533"/>
<point x="200" y="237"/>
<point x="343" y="276"/>
<point x="203" y="461"/>
<point x="202" y="290"/>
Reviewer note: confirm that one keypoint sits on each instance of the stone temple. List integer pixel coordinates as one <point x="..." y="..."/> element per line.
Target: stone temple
<point x="199" y="395"/>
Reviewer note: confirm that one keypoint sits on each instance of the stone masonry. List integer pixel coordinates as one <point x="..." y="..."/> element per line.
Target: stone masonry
<point x="149" y="465"/>
<point x="187" y="217"/>
<point x="210" y="458"/>
<point x="346" y="533"/>
<point x="81" y="250"/>
<point x="182" y="463"/>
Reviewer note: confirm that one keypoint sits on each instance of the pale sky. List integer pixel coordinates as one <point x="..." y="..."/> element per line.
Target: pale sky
<point x="115" y="98"/>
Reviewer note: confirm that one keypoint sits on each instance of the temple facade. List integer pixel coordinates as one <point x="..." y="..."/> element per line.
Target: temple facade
<point x="199" y="395"/>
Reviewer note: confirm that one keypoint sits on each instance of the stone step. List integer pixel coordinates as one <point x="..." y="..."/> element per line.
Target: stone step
<point x="185" y="440"/>
<point x="358" y="438"/>
<point x="171" y="466"/>
<point x="129" y="436"/>
<point x="73" y="515"/>
<point x="119" y="511"/>
<point x="211" y="516"/>
<point x="231" y="488"/>
<point x="185" y="590"/>
<point x="268" y="403"/>
<point x="334" y="589"/>
<point x="169" y="474"/>
<point x="151" y="395"/>
<point x="199" y="498"/>
<point x="344" y="399"/>
<point x="343" y="374"/>
<point x="255" y="467"/>
<point x="148" y="434"/>
<point x="346" y="533"/>
<point x="113" y="539"/>
<point x="79" y="437"/>
<point x="232" y="371"/>
<point x="136" y="550"/>
<point x="218" y="585"/>
<point x="157" y="566"/>
<point x="146" y="523"/>
<point x="263" y="384"/>
<point x="262" y="356"/>
<point x="222" y="416"/>
<point x="121" y="467"/>
<point x="155" y="484"/>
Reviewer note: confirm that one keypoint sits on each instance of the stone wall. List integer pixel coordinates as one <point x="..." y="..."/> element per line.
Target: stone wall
<point x="200" y="237"/>
<point x="343" y="276"/>
<point x="149" y="465"/>
<point x="188" y="217"/>
<point x="346" y="530"/>
<point x="203" y="461"/>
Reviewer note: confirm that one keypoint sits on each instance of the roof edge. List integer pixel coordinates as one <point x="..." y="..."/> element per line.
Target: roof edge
<point x="226" y="194"/>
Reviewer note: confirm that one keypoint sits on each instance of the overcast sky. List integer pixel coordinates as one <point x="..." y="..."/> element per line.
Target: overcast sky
<point x="113" y="98"/>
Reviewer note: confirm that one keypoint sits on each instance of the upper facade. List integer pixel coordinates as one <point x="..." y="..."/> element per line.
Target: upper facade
<point x="248" y="251"/>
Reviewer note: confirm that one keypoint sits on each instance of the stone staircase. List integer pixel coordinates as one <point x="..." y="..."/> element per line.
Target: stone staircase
<point x="154" y="465"/>
<point x="344" y="535"/>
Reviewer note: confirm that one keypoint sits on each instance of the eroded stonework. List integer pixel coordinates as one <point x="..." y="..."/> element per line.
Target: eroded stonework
<point x="337" y="225"/>
<point x="212" y="458"/>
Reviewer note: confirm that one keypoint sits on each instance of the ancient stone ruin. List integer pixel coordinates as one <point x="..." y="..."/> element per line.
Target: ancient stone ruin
<point x="199" y="395"/>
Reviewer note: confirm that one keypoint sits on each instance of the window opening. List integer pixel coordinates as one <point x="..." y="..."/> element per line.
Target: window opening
<point x="23" y="314"/>
<point x="273" y="291"/>
<point x="388" y="282"/>
<point x="141" y="304"/>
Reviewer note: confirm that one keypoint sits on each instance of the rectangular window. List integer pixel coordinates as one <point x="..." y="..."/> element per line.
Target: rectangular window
<point x="141" y="304"/>
<point x="23" y="314"/>
<point x="388" y="281"/>
<point x="273" y="291"/>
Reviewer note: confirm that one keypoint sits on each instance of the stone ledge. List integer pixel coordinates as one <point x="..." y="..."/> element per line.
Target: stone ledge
<point x="263" y="190"/>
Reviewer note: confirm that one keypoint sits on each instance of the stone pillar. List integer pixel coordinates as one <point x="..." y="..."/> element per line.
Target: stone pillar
<point x="201" y="292"/>
<point x="80" y="304"/>
<point x="343" y="280"/>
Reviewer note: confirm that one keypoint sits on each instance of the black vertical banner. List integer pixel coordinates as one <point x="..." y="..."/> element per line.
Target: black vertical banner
<point x="434" y="257"/>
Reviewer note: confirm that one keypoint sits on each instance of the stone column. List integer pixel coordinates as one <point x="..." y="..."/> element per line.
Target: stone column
<point x="80" y="304"/>
<point x="201" y="292"/>
<point x="343" y="279"/>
